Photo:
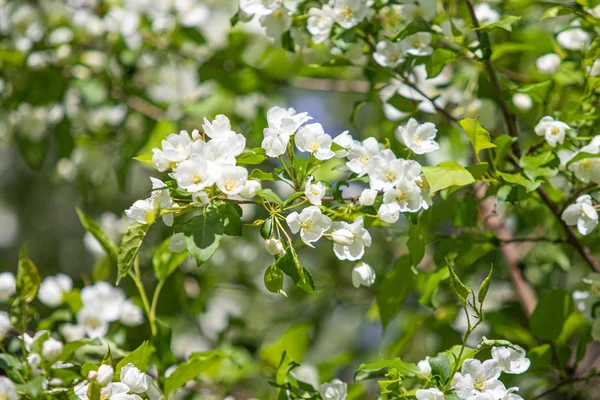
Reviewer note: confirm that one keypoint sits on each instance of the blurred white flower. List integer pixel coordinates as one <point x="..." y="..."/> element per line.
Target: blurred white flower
<point x="51" y="349"/>
<point x="429" y="394"/>
<point x="389" y="54"/>
<point x="548" y="63"/>
<point x="511" y="361"/>
<point x="105" y="299"/>
<point x="486" y="14"/>
<point x="8" y="286"/>
<point x="72" y="332"/>
<point x="574" y="39"/>
<point x="522" y="101"/>
<point x="93" y="325"/>
<point x="417" y="44"/>
<point x="5" y="326"/>
<point x="424" y="366"/>
<point x="581" y="214"/>
<point x="177" y="243"/>
<point x="52" y="289"/>
<point x="8" y="389"/>
<point x="362" y="274"/>
<point x="320" y="22"/>
<point x="334" y="390"/>
<point x="131" y="315"/>
<point x="311" y="224"/>
<point x="349" y="13"/>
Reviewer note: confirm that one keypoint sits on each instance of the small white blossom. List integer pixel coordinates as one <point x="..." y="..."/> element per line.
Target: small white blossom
<point x="511" y="394"/>
<point x="193" y="175"/>
<point x="258" y="7"/>
<point x="274" y="247"/>
<point x="250" y="189"/>
<point x="349" y="13"/>
<point x="553" y="131"/>
<point x="361" y="154"/>
<point x="131" y="315"/>
<point x="479" y="380"/>
<point x="363" y="274"/>
<point x="105" y="299"/>
<point x="5" y="326"/>
<point x="141" y="211"/>
<point x="105" y="375"/>
<point x="200" y="198"/>
<point x="314" y="192"/>
<point x="389" y="54"/>
<point x="93" y="325"/>
<point x="352" y="241"/>
<point x="522" y="101"/>
<point x="429" y="394"/>
<point x="232" y="180"/>
<point x="8" y="390"/>
<point x="574" y="39"/>
<point x="177" y="147"/>
<point x="345" y="141"/>
<point x="581" y="214"/>
<point x="548" y="63"/>
<point x="595" y="68"/>
<point x="8" y="286"/>
<point x="137" y="381"/>
<point x="334" y="390"/>
<point x="313" y="139"/>
<point x="367" y="197"/>
<point x="389" y="213"/>
<point x="177" y="243"/>
<point x="486" y="14"/>
<point x="588" y="169"/>
<point x="511" y="361"/>
<point x="311" y="224"/>
<point x="72" y="332"/>
<point x="424" y="366"/>
<point x="285" y="122"/>
<point x="420" y="138"/>
<point x="319" y="23"/>
<point x="51" y="349"/>
<point x="417" y="44"/>
<point x="52" y="289"/>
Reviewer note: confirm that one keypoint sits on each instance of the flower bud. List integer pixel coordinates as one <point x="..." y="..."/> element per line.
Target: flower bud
<point x="51" y="349"/>
<point x="343" y="237"/>
<point x="92" y="375"/>
<point x="367" y="197"/>
<point x="105" y="375"/>
<point x="363" y="274"/>
<point x="274" y="247"/>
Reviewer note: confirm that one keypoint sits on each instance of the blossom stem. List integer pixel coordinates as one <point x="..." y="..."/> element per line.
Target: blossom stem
<point x="155" y="297"/>
<point x="135" y="275"/>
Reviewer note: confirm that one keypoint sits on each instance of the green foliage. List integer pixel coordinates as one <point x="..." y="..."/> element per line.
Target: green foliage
<point x="478" y="136"/>
<point x="130" y="247"/>
<point x="140" y="357"/>
<point x="447" y="174"/>
<point x="196" y="365"/>
<point x="394" y="288"/>
<point x="28" y="277"/>
<point x="92" y="227"/>
<point x="550" y="314"/>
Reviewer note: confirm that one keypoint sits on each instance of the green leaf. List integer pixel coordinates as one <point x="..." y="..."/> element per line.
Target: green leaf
<point x="395" y="286"/>
<point x="72" y="347"/>
<point x="198" y="363"/>
<point x="461" y="290"/>
<point x="537" y="91"/>
<point x="28" y="277"/>
<point x="266" y="230"/>
<point x="505" y="23"/>
<point x="356" y="109"/>
<point x="429" y="284"/>
<point x="162" y="346"/>
<point x="291" y="266"/>
<point x="593" y="53"/>
<point x="485" y="286"/>
<point x="263" y="176"/>
<point x="438" y="60"/>
<point x="166" y="262"/>
<point x="416" y="245"/>
<point x="130" y="247"/>
<point x="294" y="343"/>
<point x="519" y="179"/>
<point x="231" y="217"/>
<point x="252" y="156"/>
<point x="33" y="152"/>
<point x="550" y="314"/>
<point x="541" y="165"/>
<point x="440" y="366"/>
<point x="503" y="143"/>
<point x="273" y="279"/>
<point x="203" y="235"/>
<point x="447" y="174"/>
<point x="478" y="136"/>
<point x="404" y="369"/>
<point x="478" y="170"/>
<point x="401" y="103"/>
<point x="269" y="196"/>
<point x="102" y="269"/>
<point x="140" y="357"/>
<point x="93" y="392"/>
<point x="92" y="227"/>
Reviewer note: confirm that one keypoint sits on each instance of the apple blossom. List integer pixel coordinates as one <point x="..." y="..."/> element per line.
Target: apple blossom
<point x="553" y="131"/>
<point x="581" y="214"/>
<point x="406" y="194"/>
<point x="52" y="289"/>
<point x="232" y="180"/>
<point x="362" y="274"/>
<point x="313" y="139"/>
<point x="479" y="380"/>
<point x="429" y="394"/>
<point x="105" y="375"/>
<point x="522" y="101"/>
<point x="367" y="197"/>
<point x="334" y="390"/>
<point x="51" y="349"/>
<point x="417" y="44"/>
<point x="320" y="22"/>
<point x="250" y="189"/>
<point x="274" y="247"/>
<point x="511" y="394"/>
<point x="193" y="175"/>
<point x="389" y="54"/>
<point x="311" y="224"/>
<point x="345" y="141"/>
<point x="573" y="39"/>
<point x="349" y="13"/>
<point x="419" y="138"/>
<point x="8" y="390"/>
<point x="424" y="366"/>
<point x="8" y="286"/>
<point x="548" y="63"/>
<point x="137" y="381"/>
<point x="314" y="192"/>
<point x="511" y="361"/>
<point x="361" y="153"/>
<point x="350" y="240"/>
<point x="389" y="213"/>
<point x="5" y="326"/>
<point x="200" y="198"/>
<point x="177" y="147"/>
<point x="131" y="315"/>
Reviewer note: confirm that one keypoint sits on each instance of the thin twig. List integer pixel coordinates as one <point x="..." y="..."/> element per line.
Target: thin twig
<point x="565" y="383"/>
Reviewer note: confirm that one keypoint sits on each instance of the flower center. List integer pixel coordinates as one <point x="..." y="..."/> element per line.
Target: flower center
<point x="417" y="42"/>
<point x="196" y="178"/>
<point x="390" y="176"/>
<point x="3" y="396"/>
<point x="479" y="385"/>
<point x="93" y="323"/>
<point x="554" y="130"/>
<point x="348" y="13"/>
<point x="586" y="164"/>
<point x="306" y="225"/>
<point x="401" y="196"/>
<point x="417" y="140"/>
<point x="314" y="145"/>
<point x="364" y="160"/>
<point x="229" y="185"/>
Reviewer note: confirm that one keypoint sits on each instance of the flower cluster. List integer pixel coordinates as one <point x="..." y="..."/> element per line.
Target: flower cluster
<point x="132" y="382"/>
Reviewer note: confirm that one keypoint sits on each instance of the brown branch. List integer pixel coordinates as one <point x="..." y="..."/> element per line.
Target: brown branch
<point x="329" y="85"/>
<point x="442" y="110"/>
<point x="565" y="383"/>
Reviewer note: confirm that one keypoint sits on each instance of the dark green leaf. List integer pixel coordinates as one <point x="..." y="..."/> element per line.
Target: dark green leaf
<point x="550" y="314"/>
<point x="438" y="60"/>
<point x="461" y="290"/>
<point x="166" y="262"/>
<point x="485" y="286"/>
<point x="203" y="235"/>
<point x="273" y="279"/>
<point x="537" y="91"/>
<point x="395" y="286"/>
<point x="505" y="23"/>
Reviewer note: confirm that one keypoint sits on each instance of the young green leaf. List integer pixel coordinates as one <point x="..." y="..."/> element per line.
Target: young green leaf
<point x="273" y="279"/>
<point x="447" y="174"/>
<point x="28" y="277"/>
<point x="485" y="286"/>
<point x="130" y="247"/>
<point x="166" y="262"/>
<point x="92" y="227"/>
<point x="140" y="357"/>
<point x="456" y="284"/>
<point x="478" y="136"/>
<point x="189" y="370"/>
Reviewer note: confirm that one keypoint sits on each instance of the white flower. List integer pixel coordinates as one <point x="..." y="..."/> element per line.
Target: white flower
<point x="349" y="13"/>
<point x="4" y="324"/>
<point x="389" y="54"/>
<point x="193" y="175"/>
<point x="548" y="63"/>
<point x="426" y="9"/>
<point x="352" y="241"/>
<point x="200" y="198"/>
<point x="72" y="332"/>
<point x="479" y="380"/>
<point x="177" y="147"/>
<point x="334" y="390"/>
<point x="274" y="144"/>
<point x="313" y="139"/>
<point x="274" y="247"/>
<point x="51" y="349"/>
<point x="588" y="169"/>
<point x="258" y="7"/>
<point x="417" y="44"/>
<point x="141" y="211"/>
<point x="363" y="274"/>
<point x="8" y="286"/>
<point x="367" y="197"/>
<point x="311" y="224"/>
<point x="406" y="194"/>
<point x="131" y="315"/>
<point x="574" y="39"/>
<point x="232" y="180"/>
<point x="52" y="289"/>
<point x="418" y="138"/>
<point x="429" y="394"/>
<point x="522" y="101"/>
<point x="125" y="396"/>
<point x="93" y="325"/>
<point x="582" y="214"/>
<point x="345" y="141"/>
<point x="8" y="390"/>
<point x="385" y="170"/>
<point x="105" y="299"/>
<point x="511" y="361"/>
<point x="486" y="14"/>
<point x="595" y="69"/>
<point x="177" y="243"/>
<point x="137" y="381"/>
<point x="220" y="127"/>
<point x="114" y="390"/>
<point x="105" y="375"/>
<point x="553" y="131"/>
<point x="314" y="192"/>
<point x="280" y="20"/>
<point x="221" y="134"/>
<point x="285" y="122"/>
<point x="319" y="23"/>
<point x="511" y="394"/>
<point x="389" y="212"/>
<point x="424" y="366"/>
<point x="361" y="153"/>
<point x="250" y="189"/>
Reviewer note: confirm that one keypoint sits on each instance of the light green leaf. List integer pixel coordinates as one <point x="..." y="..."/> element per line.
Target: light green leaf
<point x="203" y="235"/>
<point x="550" y="314"/>
<point x="198" y="363"/>
<point x="166" y="262"/>
<point x="519" y="179"/>
<point x="269" y="196"/>
<point x="447" y="174"/>
<point x="485" y="286"/>
<point x="537" y="91"/>
<point x="405" y="369"/>
<point x="461" y="290"/>
<point x="505" y="23"/>
<point x="130" y="247"/>
<point x="438" y="60"/>
<point x="161" y="130"/>
<point x="273" y="279"/>
<point x="478" y="136"/>
<point x="294" y="342"/>
<point x="28" y="277"/>
<point x="92" y="227"/>
<point x="252" y="156"/>
<point x="140" y="357"/>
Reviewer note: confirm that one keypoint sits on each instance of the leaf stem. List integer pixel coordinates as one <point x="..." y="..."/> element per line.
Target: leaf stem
<point x="135" y="275"/>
